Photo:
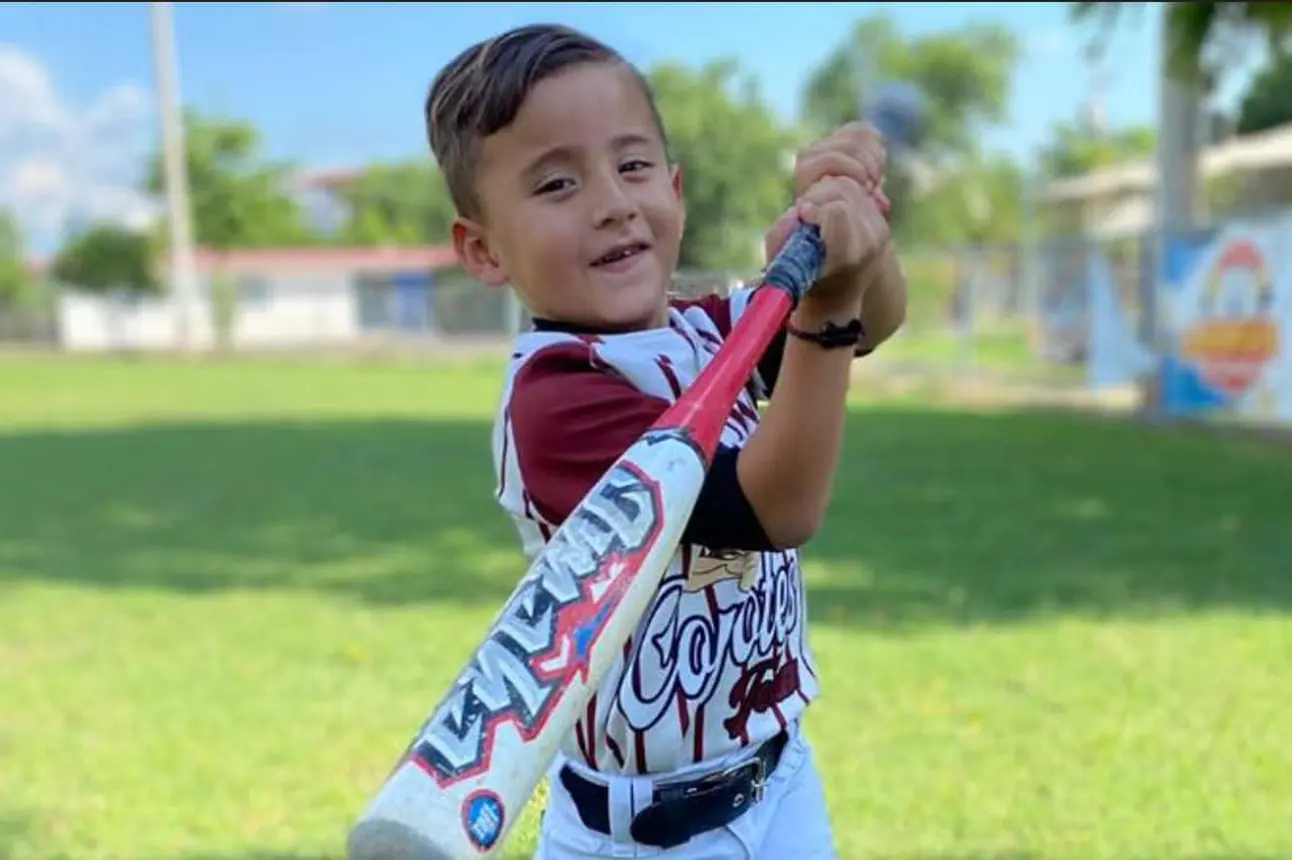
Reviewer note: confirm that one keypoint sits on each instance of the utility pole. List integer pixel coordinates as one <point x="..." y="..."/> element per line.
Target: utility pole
<point x="1178" y="145"/>
<point x="183" y="267"/>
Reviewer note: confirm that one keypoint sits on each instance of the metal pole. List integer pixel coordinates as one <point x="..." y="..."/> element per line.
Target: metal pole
<point x="1031" y="242"/>
<point x="183" y="268"/>
<point x="1176" y="189"/>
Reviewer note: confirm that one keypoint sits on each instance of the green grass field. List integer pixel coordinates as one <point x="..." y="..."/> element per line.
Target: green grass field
<point x="228" y="593"/>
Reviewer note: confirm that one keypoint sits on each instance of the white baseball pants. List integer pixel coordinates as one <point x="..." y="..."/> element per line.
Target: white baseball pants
<point x="790" y="821"/>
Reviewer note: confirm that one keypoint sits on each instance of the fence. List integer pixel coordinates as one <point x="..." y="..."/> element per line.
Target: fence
<point x="1010" y="314"/>
<point x="30" y="319"/>
<point x="334" y="310"/>
<point x="973" y="312"/>
<point x="1001" y="313"/>
<point x="331" y="311"/>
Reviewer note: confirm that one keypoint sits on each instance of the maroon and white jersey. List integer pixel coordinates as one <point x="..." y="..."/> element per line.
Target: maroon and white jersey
<point x="721" y="659"/>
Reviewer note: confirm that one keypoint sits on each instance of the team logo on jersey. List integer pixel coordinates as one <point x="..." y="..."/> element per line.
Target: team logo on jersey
<point x="544" y="636"/>
<point x="483" y="816"/>
<point x="746" y="640"/>
<point x="710" y="566"/>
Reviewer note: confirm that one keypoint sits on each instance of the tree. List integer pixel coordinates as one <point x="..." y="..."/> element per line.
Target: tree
<point x="239" y="198"/>
<point x="106" y="257"/>
<point x="980" y="203"/>
<point x="1202" y="40"/>
<point x="963" y="74"/>
<point x="399" y="204"/>
<point x="1268" y="100"/>
<point x="735" y="159"/>
<point x="1074" y="150"/>
<point x="1195" y="27"/>
<point x="14" y="278"/>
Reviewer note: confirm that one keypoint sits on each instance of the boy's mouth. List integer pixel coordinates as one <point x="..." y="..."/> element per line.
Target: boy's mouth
<point x="621" y="252"/>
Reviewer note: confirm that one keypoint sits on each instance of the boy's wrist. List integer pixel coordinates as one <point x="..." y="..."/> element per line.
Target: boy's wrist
<point x="818" y="309"/>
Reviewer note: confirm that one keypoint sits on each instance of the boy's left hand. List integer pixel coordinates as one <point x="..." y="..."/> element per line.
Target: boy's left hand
<point x="853" y="155"/>
<point x="855" y="152"/>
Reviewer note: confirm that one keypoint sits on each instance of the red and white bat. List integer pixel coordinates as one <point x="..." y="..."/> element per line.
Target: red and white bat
<point x="481" y="754"/>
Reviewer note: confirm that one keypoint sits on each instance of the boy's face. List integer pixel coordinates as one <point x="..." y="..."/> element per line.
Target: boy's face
<point x="582" y="213"/>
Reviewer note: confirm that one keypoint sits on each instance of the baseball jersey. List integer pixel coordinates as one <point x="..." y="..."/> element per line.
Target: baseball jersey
<point x="721" y="659"/>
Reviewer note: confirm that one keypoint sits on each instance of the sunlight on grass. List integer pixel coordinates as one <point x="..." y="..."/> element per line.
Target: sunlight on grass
<point x="229" y="593"/>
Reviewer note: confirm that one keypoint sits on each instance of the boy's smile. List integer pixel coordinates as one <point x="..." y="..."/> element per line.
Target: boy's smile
<point x="581" y="211"/>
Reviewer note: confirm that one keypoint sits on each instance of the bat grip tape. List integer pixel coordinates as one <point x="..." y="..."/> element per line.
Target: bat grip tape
<point x="798" y="265"/>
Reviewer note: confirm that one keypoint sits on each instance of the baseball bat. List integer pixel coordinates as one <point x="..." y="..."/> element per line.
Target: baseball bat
<point x="480" y="755"/>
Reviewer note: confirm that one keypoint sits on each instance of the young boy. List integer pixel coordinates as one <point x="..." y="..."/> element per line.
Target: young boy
<point x="557" y="161"/>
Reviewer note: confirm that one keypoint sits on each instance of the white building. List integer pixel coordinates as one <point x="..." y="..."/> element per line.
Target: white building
<point x="278" y="298"/>
<point x="1119" y="200"/>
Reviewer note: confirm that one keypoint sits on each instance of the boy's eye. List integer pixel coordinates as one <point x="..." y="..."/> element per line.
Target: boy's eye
<point x="552" y="186"/>
<point x="634" y="164"/>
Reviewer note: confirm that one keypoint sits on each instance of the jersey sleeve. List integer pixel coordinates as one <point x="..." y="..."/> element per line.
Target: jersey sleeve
<point x="717" y="308"/>
<point x="572" y="417"/>
<point x="723" y="311"/>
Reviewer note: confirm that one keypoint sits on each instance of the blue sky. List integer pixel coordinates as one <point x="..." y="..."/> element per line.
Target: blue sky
<point x="336" y="84"/>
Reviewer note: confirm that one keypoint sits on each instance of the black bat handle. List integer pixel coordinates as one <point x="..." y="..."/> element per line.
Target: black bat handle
<point x="798" y="265"/>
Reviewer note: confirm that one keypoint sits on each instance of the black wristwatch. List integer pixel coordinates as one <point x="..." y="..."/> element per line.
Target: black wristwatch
<point x="830" y="335"/>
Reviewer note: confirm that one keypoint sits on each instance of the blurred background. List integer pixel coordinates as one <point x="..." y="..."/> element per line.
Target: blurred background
<point x="313" y="219"/>
<point x="247" y="531"/>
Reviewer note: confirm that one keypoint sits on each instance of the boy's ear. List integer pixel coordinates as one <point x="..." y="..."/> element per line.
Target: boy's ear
<point x="471" y="244"/>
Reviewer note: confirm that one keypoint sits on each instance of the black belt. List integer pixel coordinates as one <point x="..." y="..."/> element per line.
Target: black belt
<point x="685" y="808"/>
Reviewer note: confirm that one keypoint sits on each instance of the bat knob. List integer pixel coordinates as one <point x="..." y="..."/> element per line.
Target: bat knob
<point x="899" y="114"/>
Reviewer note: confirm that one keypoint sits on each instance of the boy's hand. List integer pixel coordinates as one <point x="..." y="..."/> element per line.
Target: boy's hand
<point x="838" y="183"/>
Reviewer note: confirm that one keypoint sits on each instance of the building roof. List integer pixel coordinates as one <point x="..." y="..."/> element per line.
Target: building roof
<point x="325" y="259"/>
<point x="309" y="259"/>
<point x="325" y="178"/>
<point x="1263" y="150"/>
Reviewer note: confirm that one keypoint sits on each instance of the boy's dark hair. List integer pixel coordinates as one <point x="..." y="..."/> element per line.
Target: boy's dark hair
<point x="480" y="92"/>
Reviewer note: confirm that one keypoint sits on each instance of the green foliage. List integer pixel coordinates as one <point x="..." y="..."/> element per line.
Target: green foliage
<point x="735" y="159"/>
<point x="1268" y="100"/>
<point x="239" y="197"/>
<point x="1224" y="194"/>
<point x="979" y="203"/>
<point x="401" y="204"/>
<point x="14" y="277"/>
<point x="735" y="153"/>
<point x="963" y="74"/>
<point x="224" y="308"/>
<point x="1194" y="28"/>
<point x="106" y="257"/>
<point x="1075" y="151"/>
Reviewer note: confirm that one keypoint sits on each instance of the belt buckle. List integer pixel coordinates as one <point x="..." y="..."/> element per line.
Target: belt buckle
<point x="757" y="783"/>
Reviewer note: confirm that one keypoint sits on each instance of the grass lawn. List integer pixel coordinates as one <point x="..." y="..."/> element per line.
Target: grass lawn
<point x="228" y="594"/>
<point x="1001" y="351"/>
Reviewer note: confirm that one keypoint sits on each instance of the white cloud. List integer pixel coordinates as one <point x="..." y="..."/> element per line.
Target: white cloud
<point x="59" y="162"/>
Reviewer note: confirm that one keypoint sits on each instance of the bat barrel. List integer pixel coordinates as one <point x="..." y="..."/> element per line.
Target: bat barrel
<point x="384" y="839"/>
<point x="412" y="818"/>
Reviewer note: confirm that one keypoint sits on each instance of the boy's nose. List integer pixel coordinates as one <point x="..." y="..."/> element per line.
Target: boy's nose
<point x="614" y="205"/>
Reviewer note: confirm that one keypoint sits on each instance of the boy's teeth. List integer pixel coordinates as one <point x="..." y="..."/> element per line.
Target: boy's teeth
<point x="617" y="255"/>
